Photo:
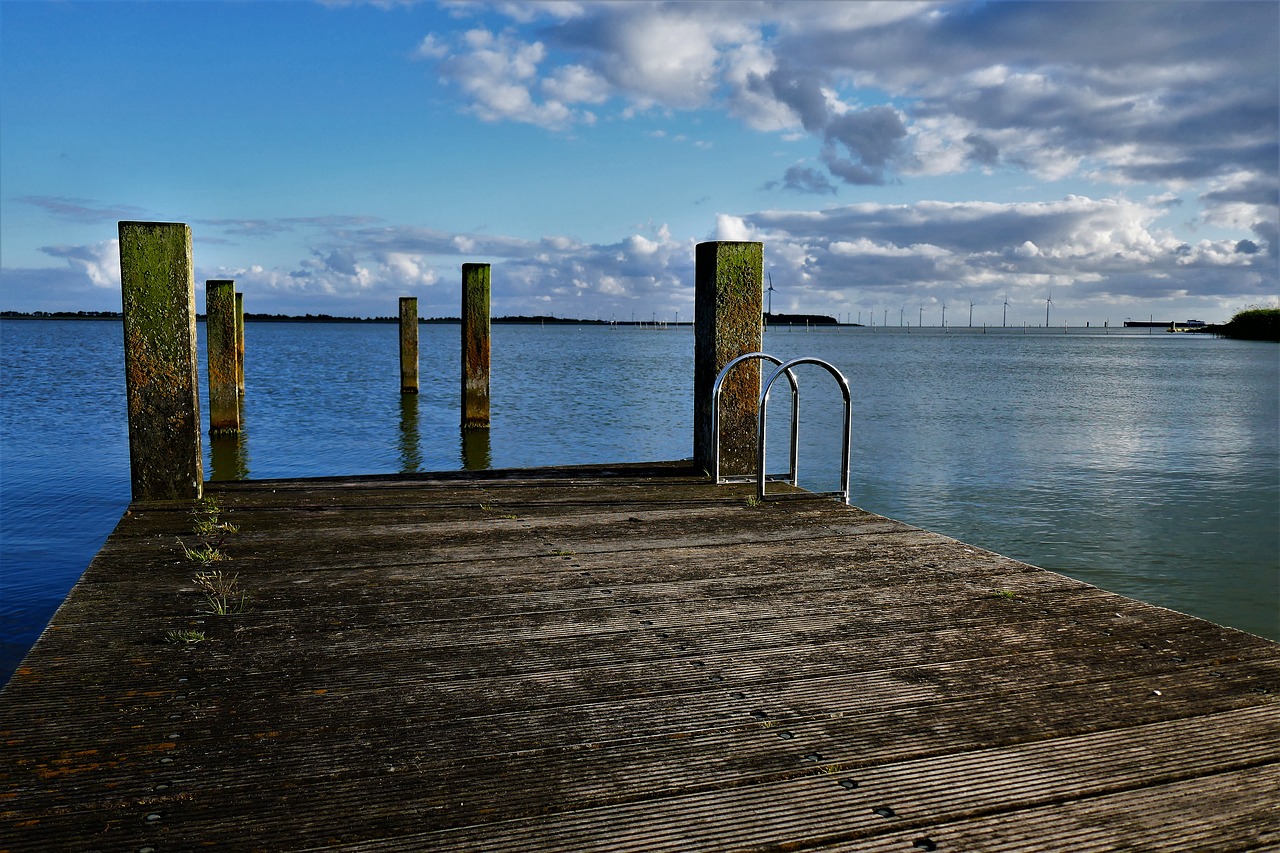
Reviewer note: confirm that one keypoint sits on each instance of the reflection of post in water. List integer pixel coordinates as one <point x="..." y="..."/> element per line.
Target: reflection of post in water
<point x="410" y="441"/>
<point x="475" y="449"/>
<point x="229" y="456"/>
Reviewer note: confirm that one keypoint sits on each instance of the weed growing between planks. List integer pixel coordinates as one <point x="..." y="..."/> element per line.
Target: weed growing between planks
<point x="222" y="593"/>
<point x="204" y="554"/>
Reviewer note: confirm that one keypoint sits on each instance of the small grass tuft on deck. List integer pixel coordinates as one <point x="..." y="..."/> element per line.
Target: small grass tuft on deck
<point x="204" y="554"/>
<point x="222" y="593"/>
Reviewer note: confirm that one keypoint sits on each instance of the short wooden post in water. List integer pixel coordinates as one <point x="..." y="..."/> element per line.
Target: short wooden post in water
<point x="220" y="343"/>
<point x="240" y="344"/>
<point x="158" y="295"/>
<point x="727" y="322"/>
<point x="475" y="346"/>
<point x="408" y="345"/>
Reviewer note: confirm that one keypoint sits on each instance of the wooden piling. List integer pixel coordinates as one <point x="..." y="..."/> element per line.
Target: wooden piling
<point x="408" y="345"/>
<point x="728" y="322"/>
<point x="158" y="292"/>
<point x="221" y="344"/>
<point x="475" y="346"/>
<point x="240" y="344"/>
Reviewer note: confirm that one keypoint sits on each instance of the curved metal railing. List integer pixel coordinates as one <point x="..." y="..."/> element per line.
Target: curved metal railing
<point x="716" y="476"/>
<point x="843" y="492"/>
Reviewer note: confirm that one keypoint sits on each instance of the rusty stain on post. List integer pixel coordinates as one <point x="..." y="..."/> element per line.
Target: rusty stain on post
<point x="240" y="344"/>
<point x="475" y="346"/>
<point x="728" y="320"/>
<point x="158" y="294"/>
<point x="220" y="353"/>
<point x="408" y="345"/>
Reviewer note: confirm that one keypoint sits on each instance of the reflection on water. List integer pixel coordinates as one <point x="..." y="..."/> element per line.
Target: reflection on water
<point x="476" y="454"/>
<point x="229" y="456"/>
<point x="410" y="440"/>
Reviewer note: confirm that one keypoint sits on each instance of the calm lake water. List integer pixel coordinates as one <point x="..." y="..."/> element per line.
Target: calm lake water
<point x="1147" y="464"/>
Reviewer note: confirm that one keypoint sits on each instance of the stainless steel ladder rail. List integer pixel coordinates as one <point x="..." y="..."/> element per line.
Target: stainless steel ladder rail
<point x="716" y="476"/>
<point x="785" y="368"/>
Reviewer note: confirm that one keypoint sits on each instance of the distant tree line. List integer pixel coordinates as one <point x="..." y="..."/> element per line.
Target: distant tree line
<point x="61" y="315"/>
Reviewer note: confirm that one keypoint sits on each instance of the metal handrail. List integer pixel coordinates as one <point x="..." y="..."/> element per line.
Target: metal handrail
<point x="843" y="494"/>
<point x="716" y="477"/>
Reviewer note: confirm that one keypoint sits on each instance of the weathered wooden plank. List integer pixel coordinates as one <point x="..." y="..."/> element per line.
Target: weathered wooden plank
<point x="1169" y="817"/>
<point x="804" y="808"/>
<point x="634" y="661"/>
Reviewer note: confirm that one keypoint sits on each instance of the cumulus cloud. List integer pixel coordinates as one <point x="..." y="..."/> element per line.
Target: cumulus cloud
<point x="1095" y="252"/>
<point x="860" y="145"/>
<point x="99" y="262"/>
<point x="1139" y="92"/>
<point x="1100" y="257"/>
<point x="500" y="73"/>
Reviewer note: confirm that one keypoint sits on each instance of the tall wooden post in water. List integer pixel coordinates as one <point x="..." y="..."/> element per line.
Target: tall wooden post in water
<point x="158" y="295"/>
<point x="475" y="346"/>
<point x="727" y="323"/>
<point x="221" y="341"/>
<point x="408" y="345"/>
<point x="240" y="344"/>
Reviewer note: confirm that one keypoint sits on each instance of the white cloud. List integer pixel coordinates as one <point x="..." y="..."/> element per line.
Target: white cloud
<point x="499" y="73"/>
<point x="98" y="262"/>
<point x="1095" y="255"/>
<point x="1139" y="92"/>
<point x="431" y="47"/>
<point x="733" y="228"/>
<point x="575" y="84"/>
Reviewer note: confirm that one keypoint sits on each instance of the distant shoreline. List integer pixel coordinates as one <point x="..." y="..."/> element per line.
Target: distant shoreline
<point x="772" y="320"/>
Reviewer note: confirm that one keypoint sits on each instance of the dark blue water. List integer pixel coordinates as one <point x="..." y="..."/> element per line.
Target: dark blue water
<point x="1148" y="464"/>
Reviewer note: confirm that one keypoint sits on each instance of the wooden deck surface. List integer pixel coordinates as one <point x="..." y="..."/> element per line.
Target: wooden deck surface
<point x="621" y="658"/>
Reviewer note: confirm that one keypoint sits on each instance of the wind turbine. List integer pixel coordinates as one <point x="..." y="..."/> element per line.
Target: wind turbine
<point x="971" y="303"/>
<point x="1004" y="321"/>
<point x="769" y="293"/>
<point x="1047" y="303"/>
<point x="944" y="315"/>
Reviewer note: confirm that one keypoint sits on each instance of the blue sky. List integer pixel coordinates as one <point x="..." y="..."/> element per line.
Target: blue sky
<point x="331" y="157"/>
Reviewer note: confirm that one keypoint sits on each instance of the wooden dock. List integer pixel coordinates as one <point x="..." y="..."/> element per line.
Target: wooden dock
<point x="620" y="658"/>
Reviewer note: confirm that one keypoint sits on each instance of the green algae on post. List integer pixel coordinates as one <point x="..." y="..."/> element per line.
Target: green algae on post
<point x="475" y="346"/>
<point x="220" y="349"/>
<point x="158" y="299"/>
<point x="408" y="345"/>
<point x="728" y="320"/>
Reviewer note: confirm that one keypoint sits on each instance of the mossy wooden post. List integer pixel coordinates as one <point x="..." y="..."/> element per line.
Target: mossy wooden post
<point x="158" y="294"/>
<point x="728" y="320"/>
<point x="475" y="346"/>
<point x="408" y="345"/>
<point x="240" y="344"/>
<point x="220" y="341"/>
